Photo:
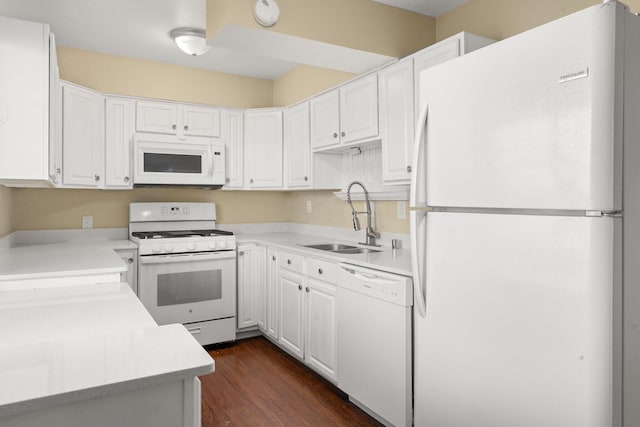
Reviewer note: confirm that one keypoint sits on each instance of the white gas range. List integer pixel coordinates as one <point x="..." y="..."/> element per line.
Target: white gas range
<point x="186" y="267"/>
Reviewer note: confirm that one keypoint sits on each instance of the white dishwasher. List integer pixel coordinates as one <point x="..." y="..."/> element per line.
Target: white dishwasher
<point x="374" y="342"/>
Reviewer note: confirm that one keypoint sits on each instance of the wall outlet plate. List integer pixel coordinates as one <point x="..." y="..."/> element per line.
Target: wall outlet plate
<point x="87" y="221"/>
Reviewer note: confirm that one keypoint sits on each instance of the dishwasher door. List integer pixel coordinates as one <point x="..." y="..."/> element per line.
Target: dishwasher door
<point x="374" y="342"/>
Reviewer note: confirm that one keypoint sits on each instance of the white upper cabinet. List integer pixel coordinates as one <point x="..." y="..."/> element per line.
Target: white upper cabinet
<point x="177" y="119"/>
<point x="232" y="134"/>
<point x="397" y="121"/>
<point x="263" y="149"/>
<point x="359" y="109"/>
<point x="27" y="54"/>
<point x="82" y="137"/>
<point x="297" y="151"/>
<point x="119" y="131"/>
<point x="346" y="114"/>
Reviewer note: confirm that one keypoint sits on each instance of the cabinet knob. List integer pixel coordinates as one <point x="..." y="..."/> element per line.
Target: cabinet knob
<point x="58" y="171"/>
<point x="227" y="180"/>
<point x="342" y="134"/>
<point x="186" y="127"/>
<point x="240" y="253"/>
<point x="289" y="261"/>
<point x="126" y="179"/>
<point x="299" y="287"/>
<point x="320" y="271"/>
<point x="335" y="135"/>
<point x="306" y="178"/>
<point x="408" y="168"/>
<point x="130" y="260"/>
<point x="273" y="258"/>
<point x="306" y="289"/>
<point x="96" y="178"/>
<point x="174" y="127"/>
<point x="251" y="181"/>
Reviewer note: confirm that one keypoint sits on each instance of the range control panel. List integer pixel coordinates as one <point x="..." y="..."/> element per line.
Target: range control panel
<point x="175" y="210"/>
<point x="171" y="211"/>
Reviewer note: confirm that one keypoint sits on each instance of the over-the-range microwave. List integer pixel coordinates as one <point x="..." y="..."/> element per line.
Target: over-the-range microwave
<point x="163" y="160"/>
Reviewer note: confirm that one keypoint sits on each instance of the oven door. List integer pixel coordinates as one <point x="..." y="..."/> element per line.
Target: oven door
<point x="165" y="160"/>
<point x="185" y="288"/>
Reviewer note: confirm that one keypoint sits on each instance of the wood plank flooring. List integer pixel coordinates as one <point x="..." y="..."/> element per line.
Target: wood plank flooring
<point x="257" y="384"/>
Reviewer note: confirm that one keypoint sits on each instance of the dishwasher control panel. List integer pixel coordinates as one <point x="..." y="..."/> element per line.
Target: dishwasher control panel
<point x="389" y="287"/>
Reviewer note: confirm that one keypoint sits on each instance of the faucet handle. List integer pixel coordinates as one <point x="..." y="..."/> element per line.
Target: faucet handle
<point x="356" y="221"/>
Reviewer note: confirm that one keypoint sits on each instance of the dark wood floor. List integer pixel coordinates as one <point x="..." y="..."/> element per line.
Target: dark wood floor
<point x="257" y="384"/>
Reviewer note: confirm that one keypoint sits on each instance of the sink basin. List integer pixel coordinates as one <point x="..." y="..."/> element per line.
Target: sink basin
<point x="333" y="247"/>
<point x="355" y="251"/>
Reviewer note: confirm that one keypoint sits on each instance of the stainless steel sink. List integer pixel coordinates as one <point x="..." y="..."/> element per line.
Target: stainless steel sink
<point x="341" y="249"/>
<point x="355" y="251"/>
<point x="331" y="247"/>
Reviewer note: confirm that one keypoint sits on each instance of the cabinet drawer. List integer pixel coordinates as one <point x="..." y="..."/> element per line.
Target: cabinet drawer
<point x="322" y="270"/>
<point x="291" y="262"/>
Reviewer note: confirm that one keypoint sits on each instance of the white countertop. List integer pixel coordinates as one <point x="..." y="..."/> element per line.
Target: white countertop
<point x="64" y="344"/>
<point x="62" y="259"/>
<point x="396" y="261"/>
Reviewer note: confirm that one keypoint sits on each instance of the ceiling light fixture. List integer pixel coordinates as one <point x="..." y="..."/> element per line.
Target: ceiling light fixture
<point x="191" y="41"/>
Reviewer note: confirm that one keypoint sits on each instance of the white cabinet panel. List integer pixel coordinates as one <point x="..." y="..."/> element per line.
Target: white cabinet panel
<point x="157" y="117"/>
<point x="82" y="137"/>
<point x="200" y="121"/>
<point x="251" y="284"/>
<point x="397" y="121"/>
<point x="297" y="148"/>
<point x="272" y="292"/>
<point x="263" y="149"/>
<point x="359" y="109"/>
<point x="291" y="312"/>
<point x="321" y="327"/>
<point x="119" y="131"/>
<point x="232" y="134"/>
<point x="129" y="257"/>
<point x="325" y="120"/>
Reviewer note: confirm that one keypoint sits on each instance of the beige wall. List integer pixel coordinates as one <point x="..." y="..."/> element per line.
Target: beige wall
<point x="135" y="77"/>
<point x="358" y="24"/>
<point x="41" y="209"/>
<point x="6" y="203"/>
<point x="304" y="81"/>
<point x="499" y="19"/>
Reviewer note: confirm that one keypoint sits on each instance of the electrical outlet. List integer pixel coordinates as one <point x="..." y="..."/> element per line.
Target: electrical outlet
<point x="309" y="206"/>
<point x="402" y="210"/>
<point x="87" y="221"/>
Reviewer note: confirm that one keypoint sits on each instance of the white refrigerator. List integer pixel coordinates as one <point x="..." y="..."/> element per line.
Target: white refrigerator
<point x="525" y="226"/>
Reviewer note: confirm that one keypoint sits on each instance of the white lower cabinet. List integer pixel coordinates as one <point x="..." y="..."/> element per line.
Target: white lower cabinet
<point x="321" y="327"/>
<point x="129" y="257"/>
<point x="291" y="312"/>
<point x="251" y="283"/>
<point x="270" y="305"/>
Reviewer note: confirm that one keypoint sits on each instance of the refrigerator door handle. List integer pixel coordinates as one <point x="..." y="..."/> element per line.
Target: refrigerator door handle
<point x="418" y="183"/>
<point x="418" y="244"/>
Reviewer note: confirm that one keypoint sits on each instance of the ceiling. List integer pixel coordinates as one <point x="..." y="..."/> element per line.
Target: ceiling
<point x="140" y="29"/>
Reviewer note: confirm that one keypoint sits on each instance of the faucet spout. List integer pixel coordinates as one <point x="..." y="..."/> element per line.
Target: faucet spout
<point x="370" y="233"/>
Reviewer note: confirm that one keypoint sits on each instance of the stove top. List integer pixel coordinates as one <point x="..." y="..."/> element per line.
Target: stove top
<point x="172" y="234"/>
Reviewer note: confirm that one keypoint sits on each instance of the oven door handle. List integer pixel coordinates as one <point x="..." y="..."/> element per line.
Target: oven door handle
<point x="201" y="256"/>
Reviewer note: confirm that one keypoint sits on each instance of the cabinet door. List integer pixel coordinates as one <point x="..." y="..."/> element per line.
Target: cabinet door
<point x="200" y="121"/>
<point x="82" y="137"/>
<point x="251" y="284"/>
<point x="232" y="133"/>
<point x="325" y="120"/>
<point x="118" y="133"/>
<point x="291" y="312"/>
<point x="433" y="55"/>
<point x="263" y="149"/>
<point x="359" y="109"/>
<point x="273" y="286"/>
<point x="321" y="328"/>
<point x="397" y="122"/>
<point x="157" y="117"/>
<point x="24" y="100"/>
<point x="297" y="148"/>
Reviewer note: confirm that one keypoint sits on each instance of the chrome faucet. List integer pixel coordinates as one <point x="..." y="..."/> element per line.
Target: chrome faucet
<point x="370" y="233"/>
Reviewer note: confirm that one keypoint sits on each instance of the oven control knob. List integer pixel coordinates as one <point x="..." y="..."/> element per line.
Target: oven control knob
<point x="168" y="248"/>
<point x="191" y="246"/>
<point x="222" y="245"/>
<point x="156" y="248"/>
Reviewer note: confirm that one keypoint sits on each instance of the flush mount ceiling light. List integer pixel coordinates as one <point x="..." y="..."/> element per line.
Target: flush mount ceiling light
<point x="266" y="12"/>
<point x="191" y="41"/>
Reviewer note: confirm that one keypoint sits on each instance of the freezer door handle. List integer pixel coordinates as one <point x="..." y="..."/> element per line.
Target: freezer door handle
<point x="418" y="181"/>
<point x="418" y="244"/>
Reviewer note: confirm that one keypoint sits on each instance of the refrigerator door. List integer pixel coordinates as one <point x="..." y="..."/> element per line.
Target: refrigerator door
<point x="519" y="325"/>
<point x="530" y="122"/>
